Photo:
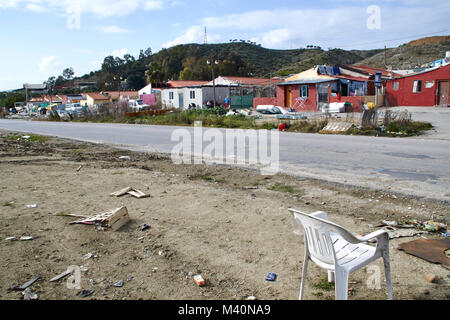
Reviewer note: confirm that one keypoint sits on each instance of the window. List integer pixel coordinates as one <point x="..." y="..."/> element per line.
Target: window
<point x="304" y="91"/>
<point x="170" y="95"/>
<point x="417" y="86"/>
<point x="192" y="94"/>
<point x="396" y="85"/>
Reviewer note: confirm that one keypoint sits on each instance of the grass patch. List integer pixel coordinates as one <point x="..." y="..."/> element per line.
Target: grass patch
<point x="409" y="128"/>
<point x="305" y="126"/>
<point x="324" y="285"/>
<point x="33" y="137"/>
<point x="8" y="204"/>
<point x="212" y="179"/>
<point x="62" y="214"/>
<point x="284" y="188"/>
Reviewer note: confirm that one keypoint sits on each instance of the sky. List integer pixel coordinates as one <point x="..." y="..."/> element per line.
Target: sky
<point x="40" y="38"/>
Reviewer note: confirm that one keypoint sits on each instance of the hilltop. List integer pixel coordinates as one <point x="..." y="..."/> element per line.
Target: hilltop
<point x="412" y="54"/>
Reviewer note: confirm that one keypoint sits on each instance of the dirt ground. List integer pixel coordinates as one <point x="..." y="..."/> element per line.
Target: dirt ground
<point x="201" y="221"/>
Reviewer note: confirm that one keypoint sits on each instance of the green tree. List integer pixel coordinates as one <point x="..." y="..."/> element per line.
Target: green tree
<point x="187" y="74"/>
<point x="68" y="73"/>
<point x="154" y="73"/>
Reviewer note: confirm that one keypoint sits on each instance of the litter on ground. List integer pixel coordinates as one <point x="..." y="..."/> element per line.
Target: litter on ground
<point x="131" y="191"/>
<point x="61" y="275"/>
<point x="114" y="219"/>
<point x="430" y="250"/>
<point x="29" y="295"/>
<point x="26" y="284"/>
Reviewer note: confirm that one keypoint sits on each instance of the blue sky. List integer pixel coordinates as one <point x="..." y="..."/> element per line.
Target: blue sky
<point x="42" y="37"/>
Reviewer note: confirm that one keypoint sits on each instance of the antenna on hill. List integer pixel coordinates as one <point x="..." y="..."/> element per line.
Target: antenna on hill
<point x="206" y="37"/>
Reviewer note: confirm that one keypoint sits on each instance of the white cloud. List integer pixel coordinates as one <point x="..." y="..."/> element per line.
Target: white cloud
<point x="102" y="8"/>
<point x="35" y="7"/>
<point x="119" y="52"/>
<point x="49" y="64"/>
<point x="112" y="29"/>
<point x="195" y="34"/>
<point x="329" y="27"/>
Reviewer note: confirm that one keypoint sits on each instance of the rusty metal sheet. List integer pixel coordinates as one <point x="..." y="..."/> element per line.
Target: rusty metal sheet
<point x="430" y="250"/>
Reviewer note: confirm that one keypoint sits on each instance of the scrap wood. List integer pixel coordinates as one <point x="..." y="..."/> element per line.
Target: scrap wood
<point x="26" y="284"/>
<point x="62" y="275"/>
<point x="131" y="191"/>
<point x="430" y="250"/>
<point x="113" y="219"/>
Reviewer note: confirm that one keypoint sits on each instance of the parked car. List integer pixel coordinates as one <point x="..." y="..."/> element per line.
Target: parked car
<point x="138" y="105"/>
<point x="74" y="109"/>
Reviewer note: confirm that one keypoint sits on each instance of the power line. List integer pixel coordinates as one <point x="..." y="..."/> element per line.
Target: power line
<point x="390" y="40"/>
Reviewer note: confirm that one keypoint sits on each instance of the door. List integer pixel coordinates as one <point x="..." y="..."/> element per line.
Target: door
<point x="443" y="93"/>
<point x="288" y="98"/>
<point x="180" y="100"/>
<point x="241" y="102"/>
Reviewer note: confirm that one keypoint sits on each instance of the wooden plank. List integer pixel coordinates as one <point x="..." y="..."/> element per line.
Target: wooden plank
<point x="60" y="276"/>
<point x="138" y="194"/>
<point x="121" y="192"/>
<point x="118" y="218"/>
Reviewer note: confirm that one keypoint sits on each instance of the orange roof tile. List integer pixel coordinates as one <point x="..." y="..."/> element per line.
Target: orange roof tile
<point x="181" y="83"/>
<point x="96" y="96"/>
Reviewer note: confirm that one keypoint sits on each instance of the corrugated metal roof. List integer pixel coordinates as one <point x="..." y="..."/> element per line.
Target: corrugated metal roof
<point x="422" y="72"/>
<point x="306" y="81"/>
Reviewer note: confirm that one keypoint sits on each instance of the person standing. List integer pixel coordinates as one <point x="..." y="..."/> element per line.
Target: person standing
<point x="227" y="102"/>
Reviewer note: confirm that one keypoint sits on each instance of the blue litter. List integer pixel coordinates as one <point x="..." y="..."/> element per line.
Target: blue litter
<point x="271" y="277"/>
<point x="381" y="170"/>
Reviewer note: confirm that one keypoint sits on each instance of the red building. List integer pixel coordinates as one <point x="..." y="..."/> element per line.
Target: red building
<point x="427" y="88"/>
<point x="306" y="91"/>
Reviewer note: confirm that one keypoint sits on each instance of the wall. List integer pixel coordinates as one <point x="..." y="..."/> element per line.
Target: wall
<point x="221" y="94"/>
<point x="264" y="101"/>
<point x="166" y="102"/>
<point x="405" y="96"/>
<point x="187" y="97"/>
<point x="358" y="102"/>
<point x="310" y="104"/>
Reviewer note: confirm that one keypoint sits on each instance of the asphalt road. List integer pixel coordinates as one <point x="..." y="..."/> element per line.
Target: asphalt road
<point x="416" y="166"/>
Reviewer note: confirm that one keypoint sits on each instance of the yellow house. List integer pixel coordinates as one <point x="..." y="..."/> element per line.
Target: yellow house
<point x="94" y="98"/>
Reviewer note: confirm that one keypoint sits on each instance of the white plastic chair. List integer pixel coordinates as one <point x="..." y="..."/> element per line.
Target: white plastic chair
<point x="339" y="251"/>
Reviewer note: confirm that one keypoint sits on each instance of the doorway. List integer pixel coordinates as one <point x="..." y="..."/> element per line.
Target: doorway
<point x="180" y="100"/>
<point x="288" y="98"/>
<point x="443" y="93"/>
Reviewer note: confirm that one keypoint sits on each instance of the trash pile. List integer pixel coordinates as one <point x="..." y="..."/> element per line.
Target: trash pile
<point x="412" y="227"/>
<point x="114" y="219"/>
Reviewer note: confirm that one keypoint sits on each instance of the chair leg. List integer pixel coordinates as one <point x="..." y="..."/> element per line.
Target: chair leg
<point x="387" y="271"/>
<point x="341" y="285"/>
<point x="304" y="272"/>
<point x="331" y="277"/>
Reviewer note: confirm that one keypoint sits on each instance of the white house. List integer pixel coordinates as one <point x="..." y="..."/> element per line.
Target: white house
<point x="181" y="94"/>
<point x="146" y="90"/>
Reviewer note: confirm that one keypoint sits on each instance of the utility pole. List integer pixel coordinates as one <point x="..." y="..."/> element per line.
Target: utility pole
<point x="213" y="62"/>
<point x="385" y="57"/>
